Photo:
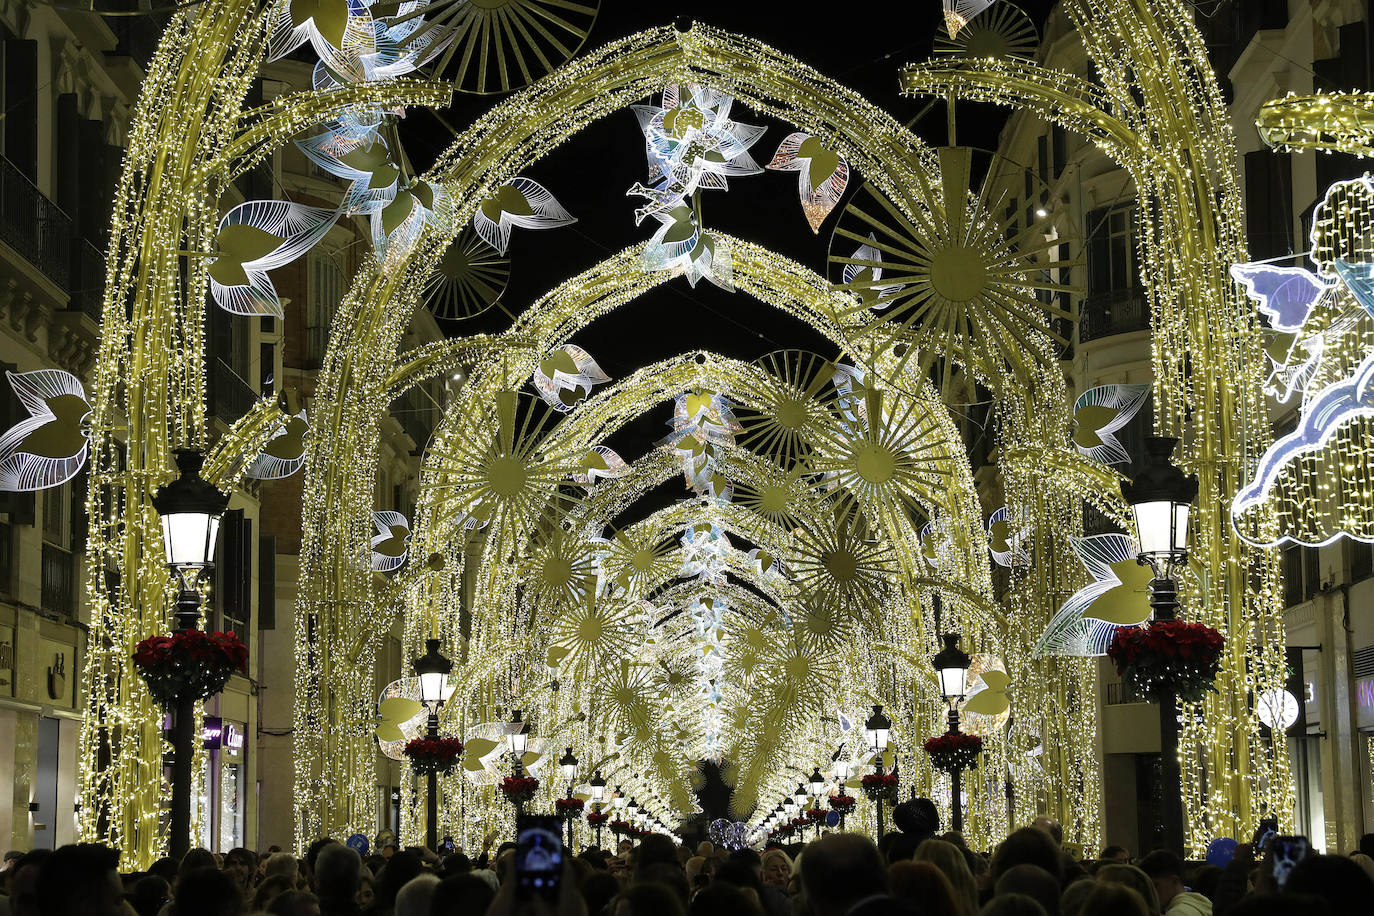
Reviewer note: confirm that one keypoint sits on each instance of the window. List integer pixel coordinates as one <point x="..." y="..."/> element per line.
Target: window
<point x="1301" y="574"/>
<point x="1359" y="558"/>
<point x="57" y="502"/>
<point x="326" y="289"/>
<point x="1111" y="250"/>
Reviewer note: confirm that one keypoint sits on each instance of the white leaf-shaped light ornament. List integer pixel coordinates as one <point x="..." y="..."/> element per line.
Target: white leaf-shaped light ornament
<point x="397" y="226"/>
<point x="1099" y="413"/>
<point x="704" y="549"/>
<point x="599" y="463"/>
<point x="692" y="143"/>
<point x="1117" y="597"/>
<point x="679" y="245"/>
<point x="934" y="540"/>
<point x="766" y="564"/>
<point x="520" y="202"/>
<point x="404" y="42"/>
<point x="988" y="702"/>
<point x="340" y="31"/>
<point x="866" y="278"/>
<point x="391" y="543"/>
<point x="401" y="716"/>
<point x="1006" y="540"/>
<point x="821" y="175"/>
<point x="567" y="376"/>
<point x="51" y="446"/>
<point x="851" y="398"/>
<point x="959" y="12"/>
<point x="363" y="159"/>
<point x="253" y="238"/>
<point x="284" y="453"/>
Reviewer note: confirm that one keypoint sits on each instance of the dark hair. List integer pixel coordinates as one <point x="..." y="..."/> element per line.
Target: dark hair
<point x="457" y="864"/>
<point x="739" y="873"/>
<point x="1027" y="846"/>
<point x="1367" y="844"/>
<point x="649" y="900"/>
<point x="719" y="899"/>
<point x="312" y="851"/>
<point x="165" y="868"/>
<point x="288" y="903"/>
<point x="1205" y="879"/>
<point x="149" y="894"/>
<point x="400" y="868"/>
<point x="207" y="892"/>
<point x="1034" y="882"/>
<point x="72" y="879"/>
<point x="1162" y="864"/>
<point x="745" y="856"/>
<point x="1109" y="852"/>
<point x="924" y="884"/>
<point x="196" y="859"/>
<point x="271" y="888"/>
<point x="1278" y="905"/>
<point x="839" y="870"/>
<point x="597" y="890"/>
<point x="656" y="848"/>
<point x="669" y="875"/>
<point x="1012" y="905"/>
<point x="248" y="857"/>
<point x="461" y="895"/>
<point x="898" y="847"/>
<point x="1335" y="879"/>
<point x="1111" y="899"/>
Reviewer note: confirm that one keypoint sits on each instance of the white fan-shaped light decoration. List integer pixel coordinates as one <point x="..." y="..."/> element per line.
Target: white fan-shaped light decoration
<point x="567" y="376"/>
<point x="253" y="238"/>
<point x="959" y="12"/>
<point x="1007" y="540"/>
<point x="391" y="543"/>
<point x="284" y="453"/>
<point x="519" y="202"/>
<point x="600" y="462"/>
<point x="361" y="157"/>
<point x="50" y="447"/>
<point x="396" y="227"/>
<point x="1099" y="413"/>
<point x="863" y="273"/>
<point x="340" y="31"/>
<point x="1117" y="597"/>
<point x="821" y="174"/>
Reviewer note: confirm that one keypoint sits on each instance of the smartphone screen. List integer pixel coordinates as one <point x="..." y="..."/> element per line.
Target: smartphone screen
<point x="1287" y="851"/>
<point x="538" y="855"/>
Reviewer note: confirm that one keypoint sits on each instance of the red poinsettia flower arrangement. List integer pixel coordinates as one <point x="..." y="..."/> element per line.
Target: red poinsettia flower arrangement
<point x="568" y="808"/>
<point x="785" y="830"/>
<point x="189" y="664"/>
<point x="1168" y="656"/>
<point x="519" y="789"/>
<point x="956" y="751"/>
<point x="436" y="754"/>
<point x="815" y="815"/>
<point x="620" y="828"/>
<point x="842" y="803"/>
<point x="879" y="785"/>
<point x="597" y="818"/>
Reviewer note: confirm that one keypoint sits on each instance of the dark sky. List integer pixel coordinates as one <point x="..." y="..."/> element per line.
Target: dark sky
<point x="862" y="45"/>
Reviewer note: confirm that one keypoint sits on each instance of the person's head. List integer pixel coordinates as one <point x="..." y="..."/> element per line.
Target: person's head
<point x="194" y="860"/>
<point x="692" y="868"/>
<point x="1166" y="871"/>
<point x="1367" y="844"/>
<point x="457" y="864"/>
<point x="367" y="889"/>
<point x="79" y="880"/>
<point x="950" y="859"/>
<point x="1050" y="826"/>
<point x="647" y="900"/>
<point x="776" y="868"/>
<point x="897" y="846"/>
<point x="1033" y="881"/>
<point x="1115" y="855"/>
<point x="723" y="899"/>
<point x="389" y="850"/>
<point x="667" y="874"/>
<point x="207" y="892"/>
<point x="598" y="889"/>
<point x="926" y="886"/>
<point x="281" y="863"/>
<point x="1027" y="846"/>
<point x="740" y="873"/>
<point x="656" y="849"/>
<point x="839" y="870"/>
<point x="414" y="898"/>
<point x="270" y="888"/>
<point x="295" y="903"/>
<point x="1012" y="905"/>
<point x="1365" y="863"/>
<point x="312" y="852"/>
<point x="240" y="864"/>
<point x="23" y="882"/>
<point x="150" y="894"/>
<point x="164" y="868"/>
<point x="399" y="869"/>
<point x="1335" y="879"/>
<point x="461" y="895"/>
<point x="917" y="817"/>
<point x="1109" y="898"/>
<point x="705" y="849"/>
<point x="1132" y="877"/>
<point x="1071" y="901"/>
<point x="337" y="869"/>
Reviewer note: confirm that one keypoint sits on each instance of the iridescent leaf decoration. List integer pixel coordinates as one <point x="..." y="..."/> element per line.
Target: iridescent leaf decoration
<point x="1284" y="295"/>
<point x="692" y="142"/>
<point x="959" y="12"/>
<point x="397" y="226"/>
<point x="391" y="543"/>
<point x="51" y="446"/>
<point x="864" y="273"/>
<point x="253" y="238"/>
<point x="400" y="716"/>
<point x="821" y="175"/>
<point x="520" y="202"/>
<point x="702" y="422"/>
<point x="1099" y="413"/>
<point x="600" y="462"/>
<point x="1117" y="596"/>
<point x="567" y="376"/>
<point x="284" y="453"/>
<point x="361" y="158"/>
<point x="340" y="31"/>
<point x="1006" y="540"/>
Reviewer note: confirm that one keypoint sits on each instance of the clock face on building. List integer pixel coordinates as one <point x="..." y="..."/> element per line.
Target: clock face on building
<point x="1277" y="708"/>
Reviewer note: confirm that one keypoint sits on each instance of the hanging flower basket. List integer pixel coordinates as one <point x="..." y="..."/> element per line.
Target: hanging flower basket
<point x="880" y="786"/>
<point x="842" y="804"/>
<point x="620" y="828"/>
<point x="954" y="752"/>
<point x="815" y="815"/>
<point x="597" y="818"/>
<point x="568" y="809"/>
<point x="784" y="830"/>
<point x="189" y="664"/>
<point x="433" y="755"/>
<point x="1170" y="656"/>
<point x="519" y="789"/>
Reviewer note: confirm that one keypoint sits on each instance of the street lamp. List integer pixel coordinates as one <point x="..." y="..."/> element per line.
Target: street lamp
<point x="517" y="736"/>
<point x="843" y="767"/>
<point x="817" y="782"/>
<point x="598" y="786"/>
<point x="1160" y="495"/>
<point x="433" y="669"/>
<point x="567" y="768"/>
<point x="190" y="508"/>
<point x="877" y="729"/>
<point x="951" y="667"/>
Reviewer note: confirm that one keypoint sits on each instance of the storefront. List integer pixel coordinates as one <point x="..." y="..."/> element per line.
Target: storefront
<point x="224" y="782"/>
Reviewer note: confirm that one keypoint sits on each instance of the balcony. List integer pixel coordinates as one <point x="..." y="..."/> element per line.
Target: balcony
<point x="87" y="279"/>
<point x="1117" y="312"/>
<point x="34" y="226"/>
<point x="59" y="580"/>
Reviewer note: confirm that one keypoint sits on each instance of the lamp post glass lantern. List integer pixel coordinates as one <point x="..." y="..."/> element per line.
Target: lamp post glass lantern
<point x="951" y="667"/>
<point x="190" y="509"/>
<point x="1160" y="496"/>
<point x="432" y="669"/>
<point x="517" y="737"/>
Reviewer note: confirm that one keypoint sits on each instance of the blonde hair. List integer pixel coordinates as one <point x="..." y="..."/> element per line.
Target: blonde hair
<point x="947" y="857"/>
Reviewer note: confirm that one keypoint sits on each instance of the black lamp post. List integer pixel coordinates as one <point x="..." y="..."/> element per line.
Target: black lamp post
<point x="1161" y="495"/>
<point x="567" y="768"/>
<point x="598" y="787"/>
<point x="432" y="668"/>
<point x="843" y="768"/>
<point x="878" y="729"/>
<point x="951" y="665"/>
<point x="190" y="508"/>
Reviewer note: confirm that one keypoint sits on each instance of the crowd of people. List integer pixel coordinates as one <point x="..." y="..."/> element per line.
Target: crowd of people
<point x="913" y="872"/>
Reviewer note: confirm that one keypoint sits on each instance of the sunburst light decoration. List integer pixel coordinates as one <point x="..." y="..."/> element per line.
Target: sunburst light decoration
<point x="469" y="279"/>
<point x="839" y="561"/>
<point x="781" y="498"/>
<point x="1117" y="597"/>
<point x="637" y="560"/>
<point x="789" y="406"/>
<point x="971" y="281"/>
<point x="593" y="634"/>
<point x="564" y="567"/>
<point x="1002" y="32"/>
